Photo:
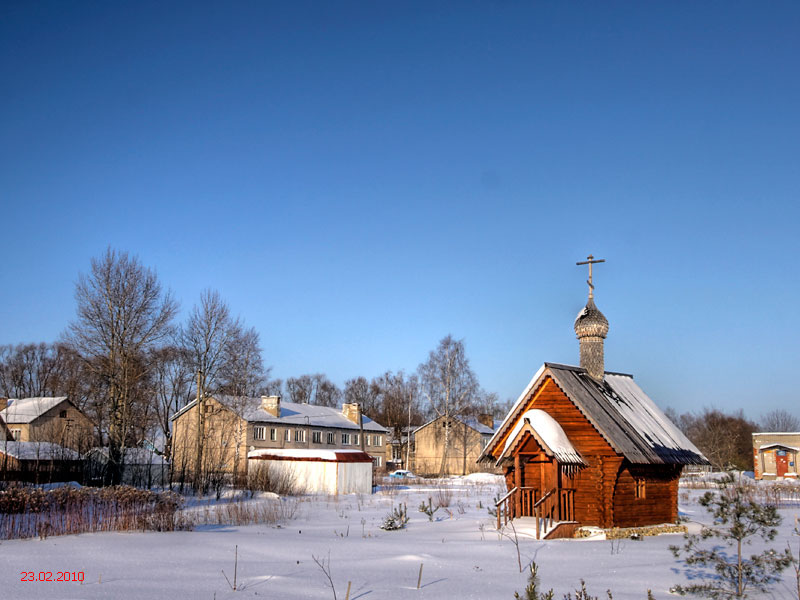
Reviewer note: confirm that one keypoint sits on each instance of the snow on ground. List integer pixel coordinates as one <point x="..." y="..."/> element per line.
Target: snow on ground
<point x="461" y="553"/>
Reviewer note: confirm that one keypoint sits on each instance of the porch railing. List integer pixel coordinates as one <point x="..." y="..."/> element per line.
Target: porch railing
<point x="516" y="503"/>
<point x="556" y="505"/>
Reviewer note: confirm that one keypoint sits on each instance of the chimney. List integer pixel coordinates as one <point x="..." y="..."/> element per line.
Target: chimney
<point x="272" y="405"/>
<point x="486" y="419"/>
<point x="351" y="412"/>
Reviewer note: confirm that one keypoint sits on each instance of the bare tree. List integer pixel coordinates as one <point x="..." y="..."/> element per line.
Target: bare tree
<point x="398" y="398"/>
<point x="29" y="370"/>
<point x="313" y="389"/>
<point x="779" y="420"/>
<point x="448" y="383"/>
<point x="725" y="439"/>
<point x="242" y="372"/>
<point x="272" y="387"/>
<point x="360" y="391"/>
<point x="171" y="381"/>
<point x="227" y="359"/>
<point x="300" y="389"/>
<point x="328" y="393"/>
<point x="122" y="315"/>
<point x="206" y="337"/>
<point x="243" y="375"/>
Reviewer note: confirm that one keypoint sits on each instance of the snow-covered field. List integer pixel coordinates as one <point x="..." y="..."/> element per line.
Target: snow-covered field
<point x="461" y="554"/>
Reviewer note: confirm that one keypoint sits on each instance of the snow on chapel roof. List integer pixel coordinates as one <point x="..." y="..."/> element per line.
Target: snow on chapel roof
<point x="548" y="432"/>
<point x="621" y="412"/>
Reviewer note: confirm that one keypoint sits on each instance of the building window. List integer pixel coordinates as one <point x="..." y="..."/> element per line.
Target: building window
<point x="62" y="414"/>
<point x="639" y="490"/>
<point x="287" y="435"/>
<point x="378" y="440"/>
<point x="316" y="437"/>
<point x="397" y="453"/>
<point x="355" y="439"/>
<point x="368" y="440"/>
<point x="273" y="434"/>
<point x="259" y="433"/>
<point x="345" y="439"/>
<point x="299" y="435"/>
<point x="377" y="461"/>
<point x="331" y="438"/>
<point x="16" y="434"/>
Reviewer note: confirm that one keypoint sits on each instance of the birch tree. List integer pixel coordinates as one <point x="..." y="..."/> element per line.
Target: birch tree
<point x="170" y="382"/>
<point x="448" y="384"/>
<point x="123" y="313"/>
<point x="207" y="339"/>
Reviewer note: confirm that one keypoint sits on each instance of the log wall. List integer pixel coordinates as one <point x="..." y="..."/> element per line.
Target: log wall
<point x="660" y="501"/>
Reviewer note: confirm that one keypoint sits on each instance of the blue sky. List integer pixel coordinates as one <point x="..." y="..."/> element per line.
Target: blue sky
<point x="360" y="179"/>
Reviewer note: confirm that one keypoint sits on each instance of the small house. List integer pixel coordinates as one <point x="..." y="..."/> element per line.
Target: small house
<point x="775" y="455"/>
<point x="47" y="419"/>
<point x="468" y="437"/>
<point x="315" y="471"/>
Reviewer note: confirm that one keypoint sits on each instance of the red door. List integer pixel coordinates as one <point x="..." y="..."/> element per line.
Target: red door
<point x="781" y="462"/>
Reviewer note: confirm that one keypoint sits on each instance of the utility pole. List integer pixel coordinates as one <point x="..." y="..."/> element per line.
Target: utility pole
<point x="200" y="424"/>
<point x="408" y="437"/>
<point x="361" y="425"/>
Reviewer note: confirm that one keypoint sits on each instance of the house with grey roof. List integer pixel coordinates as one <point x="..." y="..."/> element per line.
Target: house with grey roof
<point x="232" y="426"/>
<point x="467" y="439"/>
<point x="47" y="419"/>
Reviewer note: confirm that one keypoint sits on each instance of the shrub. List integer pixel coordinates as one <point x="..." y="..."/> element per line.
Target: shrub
<point x="428" y="509"/>
<point x="397" y="519"/>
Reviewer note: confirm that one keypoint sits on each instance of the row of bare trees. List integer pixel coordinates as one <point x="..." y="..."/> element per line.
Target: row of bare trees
<point x="127" y="364"/>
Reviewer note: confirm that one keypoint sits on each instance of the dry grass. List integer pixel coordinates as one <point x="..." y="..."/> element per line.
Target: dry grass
<point x="246" y="512"/>
<point x="29" y="511"/>
<point x="270" y="479"/>
<point x="444" y="495"/>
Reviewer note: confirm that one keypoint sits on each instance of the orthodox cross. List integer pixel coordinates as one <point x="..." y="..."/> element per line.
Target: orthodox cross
<point x="591" y="261"/>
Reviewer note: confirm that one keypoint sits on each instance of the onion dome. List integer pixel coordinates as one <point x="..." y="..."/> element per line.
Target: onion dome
<point x="590" y="322"/>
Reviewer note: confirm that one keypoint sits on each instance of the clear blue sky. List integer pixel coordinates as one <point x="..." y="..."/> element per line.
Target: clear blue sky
<point x="360" y="179"/>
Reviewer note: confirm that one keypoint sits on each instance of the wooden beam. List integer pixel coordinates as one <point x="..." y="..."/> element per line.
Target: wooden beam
<point x="517" y="483"/>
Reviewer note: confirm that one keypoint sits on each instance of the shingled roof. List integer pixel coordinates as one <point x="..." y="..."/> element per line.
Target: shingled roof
<point x="292" y="413"/>
<point x="619" y="410"/>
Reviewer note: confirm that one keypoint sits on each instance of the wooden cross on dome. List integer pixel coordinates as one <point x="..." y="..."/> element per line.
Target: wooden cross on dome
<point x="591" y="261"/>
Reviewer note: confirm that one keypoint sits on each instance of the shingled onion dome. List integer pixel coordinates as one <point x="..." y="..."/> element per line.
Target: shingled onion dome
<point x="591" y="328"/>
